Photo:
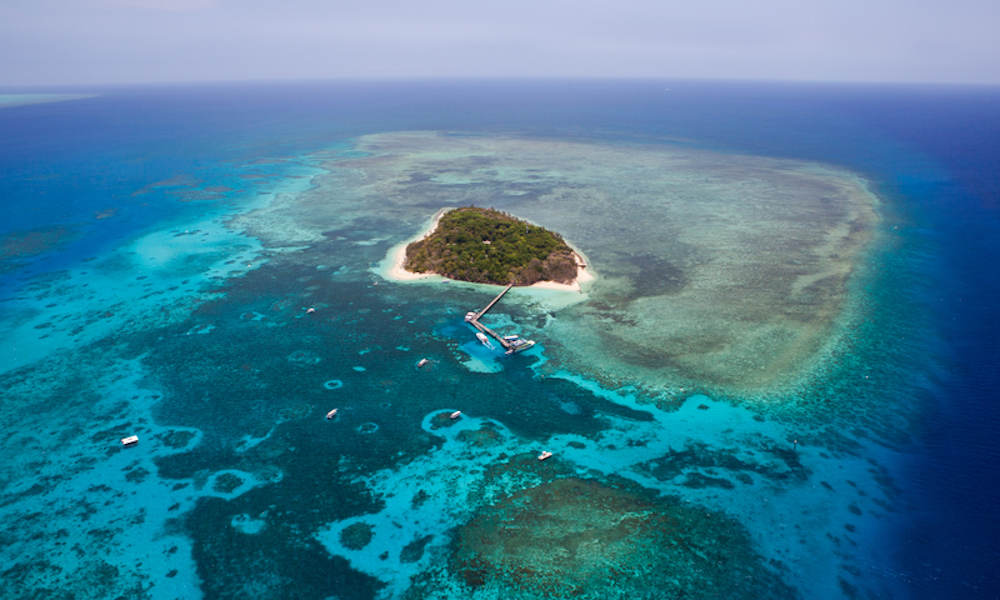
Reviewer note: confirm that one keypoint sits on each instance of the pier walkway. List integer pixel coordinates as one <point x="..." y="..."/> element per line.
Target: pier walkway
<point x="511" y="346"/>
<point x="480" y="314"/>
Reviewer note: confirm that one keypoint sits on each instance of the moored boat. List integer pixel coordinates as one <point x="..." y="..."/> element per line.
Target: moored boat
<point x="455" y="414"/>
<point x="423" y="361"/>
<point x="130" y="440"/>
<point x="485" y="340"/>
<point x="544" y="455"/>
<point x="519" y="344"/>
<point x="331" y="414"/>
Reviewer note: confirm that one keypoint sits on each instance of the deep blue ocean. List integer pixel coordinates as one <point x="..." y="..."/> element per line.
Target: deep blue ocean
<point x="82" y="179"/>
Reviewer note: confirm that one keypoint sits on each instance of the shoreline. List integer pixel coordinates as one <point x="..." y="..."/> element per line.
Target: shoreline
<point x="397" y="254"/>
<point x="397" y="258"/>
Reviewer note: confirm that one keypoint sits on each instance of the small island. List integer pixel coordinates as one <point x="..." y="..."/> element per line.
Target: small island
<point x="484" y="245"/>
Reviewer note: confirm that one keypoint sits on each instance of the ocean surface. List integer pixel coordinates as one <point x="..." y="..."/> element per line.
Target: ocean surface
<point x="780" y="384"/>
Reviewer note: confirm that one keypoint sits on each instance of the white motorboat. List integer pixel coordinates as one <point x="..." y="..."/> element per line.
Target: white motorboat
<point x="485" y="340"/>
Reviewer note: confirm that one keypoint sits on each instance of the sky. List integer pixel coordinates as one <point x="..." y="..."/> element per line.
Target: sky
<point x="81" y="42"/>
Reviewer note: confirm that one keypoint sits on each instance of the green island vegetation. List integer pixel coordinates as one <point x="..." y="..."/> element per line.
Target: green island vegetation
<point x="484" y="245"/>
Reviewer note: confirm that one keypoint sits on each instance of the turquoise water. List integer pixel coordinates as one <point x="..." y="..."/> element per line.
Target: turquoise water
<point x="162" y="248"/>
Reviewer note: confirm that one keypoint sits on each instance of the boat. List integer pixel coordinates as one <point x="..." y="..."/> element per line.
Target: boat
<point x="310" y="310"/>
<point x="485" y="340"/>
<point x="470" y="316"/>
<point x="544" y="455"/>
<point x="331" y="414"/>
<point x="423" y="361"/>
<point x="519" y="344"/>
<point x="130" y="440"/>
<point x="455" y="414"/>
<point x="511" y="338"/>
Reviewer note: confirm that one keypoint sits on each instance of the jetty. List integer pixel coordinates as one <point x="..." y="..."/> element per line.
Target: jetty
<point x="511" y="343"/>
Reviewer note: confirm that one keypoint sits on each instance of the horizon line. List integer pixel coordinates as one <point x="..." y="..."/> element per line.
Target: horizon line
<point x="8" y="87"/>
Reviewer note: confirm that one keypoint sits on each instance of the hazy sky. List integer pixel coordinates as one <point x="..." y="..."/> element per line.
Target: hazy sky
<point x="119" y="41"/>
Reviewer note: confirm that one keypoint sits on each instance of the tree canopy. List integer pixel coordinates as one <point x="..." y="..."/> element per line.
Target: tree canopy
<point x="485" y="245"/>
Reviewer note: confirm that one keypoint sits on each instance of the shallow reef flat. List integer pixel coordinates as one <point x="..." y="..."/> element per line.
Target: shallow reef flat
<point x="727" y="272"/>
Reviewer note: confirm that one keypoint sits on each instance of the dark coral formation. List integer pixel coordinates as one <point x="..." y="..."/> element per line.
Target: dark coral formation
<point x="578" y="538"/>
<point x="226" y="483"/>
<point x="18" y="246"/>
<point x="356" y="536"/>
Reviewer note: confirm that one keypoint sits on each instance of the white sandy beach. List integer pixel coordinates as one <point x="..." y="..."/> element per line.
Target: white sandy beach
<point x="397" y="254"/>
<point x="397" y="258"/>
<point x="583" y="275"/>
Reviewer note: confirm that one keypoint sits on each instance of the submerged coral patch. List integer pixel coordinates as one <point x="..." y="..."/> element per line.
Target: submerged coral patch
<point x="356" y="535"/>
<point x="576" y="538"/>
<point x="25" y="244"/>
<point x="226" y="483"/>
<point x="368" y="427"/>
<point x="244" y="523"/>
<point x="304" y="358"/>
